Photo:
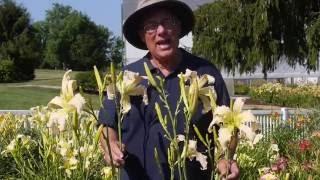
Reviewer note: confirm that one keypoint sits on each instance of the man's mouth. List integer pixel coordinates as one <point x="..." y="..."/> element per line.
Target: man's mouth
<point x="164" y="44"/>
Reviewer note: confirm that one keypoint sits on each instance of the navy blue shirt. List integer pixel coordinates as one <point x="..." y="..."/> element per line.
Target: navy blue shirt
<point x="142" y="131"/>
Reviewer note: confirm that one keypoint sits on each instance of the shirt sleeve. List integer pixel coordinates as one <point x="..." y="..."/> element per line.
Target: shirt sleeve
<point x="108" y="113"/>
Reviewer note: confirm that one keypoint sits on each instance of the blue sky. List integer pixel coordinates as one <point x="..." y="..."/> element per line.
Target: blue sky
<point x="102" y="12"/>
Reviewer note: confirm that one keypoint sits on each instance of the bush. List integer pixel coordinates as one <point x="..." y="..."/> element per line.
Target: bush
<point x="241" y="89"/>
<point x="6" y="71"/>
<point x="87" y="81"/>
<point x="302" y="96"/>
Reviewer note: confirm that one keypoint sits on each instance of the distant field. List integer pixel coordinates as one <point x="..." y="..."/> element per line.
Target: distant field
<point x="29" y="94"/>
<point x="44" y="77"/>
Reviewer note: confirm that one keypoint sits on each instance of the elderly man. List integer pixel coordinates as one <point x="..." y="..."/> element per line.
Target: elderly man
<point x="157" y="26"/>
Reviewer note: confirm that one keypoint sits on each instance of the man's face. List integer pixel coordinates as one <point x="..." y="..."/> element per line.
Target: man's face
<point x="160" y="31"/>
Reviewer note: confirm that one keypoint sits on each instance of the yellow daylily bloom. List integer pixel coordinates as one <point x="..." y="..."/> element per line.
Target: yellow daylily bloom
<point x="232" y="118"/>
<point x="128" y="84"/>
<point x="198" y="89"/>
<point x="191" y="152"/>
<point x="67" y="100"/>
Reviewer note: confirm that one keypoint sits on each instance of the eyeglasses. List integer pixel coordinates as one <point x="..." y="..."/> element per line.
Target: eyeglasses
<point x="152" y="26"/>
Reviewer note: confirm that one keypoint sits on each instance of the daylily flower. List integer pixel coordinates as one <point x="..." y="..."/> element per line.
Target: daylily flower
<point x="128" y="84"/>
<point x="269" y="176"/>
<point x="67" y="100"/>
<point x="106" y="172"/>
<point x="230" y="119"/>
<point x="191" y="152"/>
<point x="200" y="88"/>
<point x="57" y="121"/>
<point x="305" y="145"/>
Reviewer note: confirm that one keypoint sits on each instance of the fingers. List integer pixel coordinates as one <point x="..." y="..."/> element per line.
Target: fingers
<point x="228" y="169"/>
<point x="234" y="171"/>
<point x="116" y="153"/>
<point x="222" y="167"/>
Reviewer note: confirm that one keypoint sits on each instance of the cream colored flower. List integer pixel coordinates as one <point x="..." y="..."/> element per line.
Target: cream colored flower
<point x="191" y="152"/>
<point x="128" y="84"/>
<point x="11" y="146"/>
<point x="232" y="118"/>
<point x="67" y="100"/>
<point x="269" y="176"/>
<point x="200" y="88"/>
<point x="257" y="138"/>
<point x="57" y="121"/>
<point x="106" y="172"/>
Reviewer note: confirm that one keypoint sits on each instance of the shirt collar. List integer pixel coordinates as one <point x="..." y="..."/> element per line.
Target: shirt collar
<point x="180" y="67"/>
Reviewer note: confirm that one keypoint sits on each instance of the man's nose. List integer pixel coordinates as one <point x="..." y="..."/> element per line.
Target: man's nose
<point x="161" y="29"/>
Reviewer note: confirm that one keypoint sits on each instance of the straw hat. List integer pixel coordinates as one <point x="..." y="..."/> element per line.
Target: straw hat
<point x="178" y="8"/>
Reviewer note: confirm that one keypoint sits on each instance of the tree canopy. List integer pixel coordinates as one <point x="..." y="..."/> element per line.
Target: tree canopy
<point x="18" y="45"/>
<point x="243" y="34"/>
<point x="71" y="40"/>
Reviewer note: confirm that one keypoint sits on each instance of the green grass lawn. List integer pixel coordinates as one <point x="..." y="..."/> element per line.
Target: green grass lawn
<point x="13" y="97"/>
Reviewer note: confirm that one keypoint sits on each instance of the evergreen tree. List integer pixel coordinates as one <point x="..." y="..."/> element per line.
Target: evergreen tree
<point x="18" y="45"/>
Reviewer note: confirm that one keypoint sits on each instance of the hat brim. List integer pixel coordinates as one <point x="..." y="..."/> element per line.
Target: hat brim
<point x="181" y="10"/>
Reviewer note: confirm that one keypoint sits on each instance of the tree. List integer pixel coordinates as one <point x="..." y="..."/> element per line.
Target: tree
<point x="18" y="45"/>
<point x="71" y="40"/>
<point x="242" y="34"/>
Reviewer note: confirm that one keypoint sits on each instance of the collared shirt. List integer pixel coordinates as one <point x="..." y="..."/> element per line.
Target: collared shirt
<point x="141" y="129"/>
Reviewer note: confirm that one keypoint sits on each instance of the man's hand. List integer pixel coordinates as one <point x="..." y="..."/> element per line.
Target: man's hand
<point x="116" y="150"/>
<point x="228" y="169"/>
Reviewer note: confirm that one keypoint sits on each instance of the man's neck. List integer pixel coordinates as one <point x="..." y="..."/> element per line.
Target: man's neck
<point x="167" y="66"/>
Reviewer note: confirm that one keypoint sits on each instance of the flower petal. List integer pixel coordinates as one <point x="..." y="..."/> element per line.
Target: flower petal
<point x="202" y="159"/>
<point x="224" y="137"/>
<point x="222" y="110"/>
<point x="246" y="116"/>
<point x="125" y="103"/>
<point x="238" y="104"/>
<point x="111" y="92"/>
<point x="77" y="101"/>
<point x="248" y="132"/>
<point x="56" y="102"/>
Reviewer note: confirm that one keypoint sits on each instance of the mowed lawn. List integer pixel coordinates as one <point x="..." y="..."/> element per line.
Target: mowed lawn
<point x="32" y="93"/>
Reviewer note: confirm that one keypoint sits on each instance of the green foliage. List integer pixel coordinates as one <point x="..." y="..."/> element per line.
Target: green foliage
<point x="305" y="96"/>
<point x="247" y="33"/>
<point x="250" y="159"/>
<point x="87" y="81"/>
<point x="70" y="40"/>
<point x="6" y="71"/>
<point x="17" y="40"/>
<point x="241" y="89"/>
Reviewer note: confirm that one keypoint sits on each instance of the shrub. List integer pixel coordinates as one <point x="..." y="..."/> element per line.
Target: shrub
<point x="87" y="81"/>
<point x="6" y="71"/>
<point x="241" y="89"/>
<point x="304" y="96"/>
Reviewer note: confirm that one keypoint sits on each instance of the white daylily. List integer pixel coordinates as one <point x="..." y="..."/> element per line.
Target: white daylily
<point x="11" y="146"/>
<point x="67" y="100"/>
<point x="128" y="84"/>
<point x="57" y="121"/>
<point x="197" y="90"/>
<point x="232" y="118"/>
<point x="257" y="138"/>
<point x="191" y="152"/>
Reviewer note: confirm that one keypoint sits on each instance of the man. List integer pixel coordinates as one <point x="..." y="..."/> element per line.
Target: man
<point x="157" y="26"/>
